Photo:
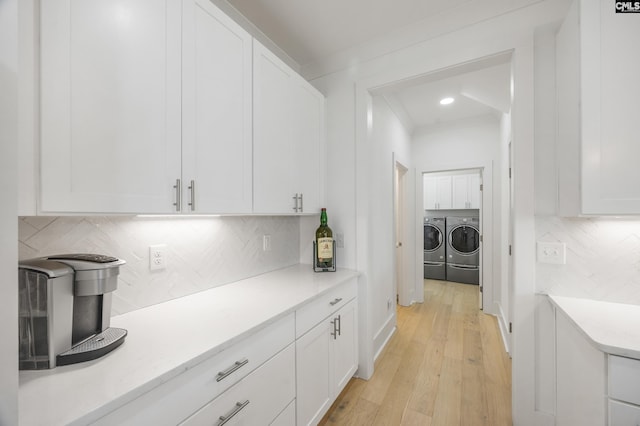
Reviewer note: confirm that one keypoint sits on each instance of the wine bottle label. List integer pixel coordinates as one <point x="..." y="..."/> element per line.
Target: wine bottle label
<point x="325" y="248"/>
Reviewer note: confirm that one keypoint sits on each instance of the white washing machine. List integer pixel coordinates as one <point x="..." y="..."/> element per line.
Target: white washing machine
<point x="463" y="249"/>
<point x="434" y="248"/>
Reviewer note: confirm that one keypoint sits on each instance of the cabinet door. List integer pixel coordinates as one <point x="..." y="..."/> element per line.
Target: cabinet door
<point x="110" y="106"/>
<point x="307" y="125"/>
<point x="313" y="375"/>
<point x="474" y="191"/>
<point x="610" y="104"/>
<point x="581" y="378"/>
<point x="345" y="347"/>
<point x="430" y="188"/>
<point x="444" y="192"/>
<point x="598" y="99"/>
<point x="272" y="139"/>
<point x="216" y="111"/>
<point x="460" y="198"/>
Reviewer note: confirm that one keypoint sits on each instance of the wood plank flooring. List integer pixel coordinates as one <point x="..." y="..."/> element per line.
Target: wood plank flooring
<point x="445" y="366"/>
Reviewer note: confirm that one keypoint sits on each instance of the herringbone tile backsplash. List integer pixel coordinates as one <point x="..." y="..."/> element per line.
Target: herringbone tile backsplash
<point x="603" y="259"/>
<point x="202" y="252"/>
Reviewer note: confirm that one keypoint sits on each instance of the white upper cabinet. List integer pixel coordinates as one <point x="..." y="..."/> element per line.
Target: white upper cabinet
<point x="110" y="106"/>
<point x="466" y="191"/>
<point x="287" y="138"/>
<point x="216" y="111"/>
<point x="437" y="192"/>
<point x="151" y="113"/>
<point x="598" y="94"/>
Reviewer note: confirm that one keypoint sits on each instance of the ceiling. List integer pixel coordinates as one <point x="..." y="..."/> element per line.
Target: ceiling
<point x="308" y="31"/>
<point x="482" y="92"/>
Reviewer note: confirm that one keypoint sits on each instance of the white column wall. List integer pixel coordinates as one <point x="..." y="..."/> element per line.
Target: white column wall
<point x="8" y="212"/>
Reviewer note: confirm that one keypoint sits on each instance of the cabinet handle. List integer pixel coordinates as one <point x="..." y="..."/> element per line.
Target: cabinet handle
<point x="178" y="202"/>
<point x="295" y="202"/>
<point x="192" y="188"/>
<point x="336" y="301"/>
<point x="301" y="203"/>
<point x="335" y="328"/>
<point x="236" y="366"/>
<point x="339" y="321"/>
<point x="238" y="407"/>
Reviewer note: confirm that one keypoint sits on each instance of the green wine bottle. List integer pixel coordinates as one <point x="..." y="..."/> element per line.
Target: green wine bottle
<point x="324" y="243"/>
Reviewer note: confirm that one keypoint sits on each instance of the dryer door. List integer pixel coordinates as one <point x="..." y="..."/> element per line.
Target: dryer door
<point x="464" y="239"/>
<point x="432" y="238"/>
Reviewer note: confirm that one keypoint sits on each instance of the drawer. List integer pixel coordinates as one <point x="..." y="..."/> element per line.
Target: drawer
<point x="621" y="414"/>
<point x="258" y="399"/>
<point x="624" y="379"/>
<point x="315" y="311"/>
<point x="175" y="400"/>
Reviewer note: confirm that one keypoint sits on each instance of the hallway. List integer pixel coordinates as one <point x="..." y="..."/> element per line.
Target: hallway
<point x="445" y="366"/>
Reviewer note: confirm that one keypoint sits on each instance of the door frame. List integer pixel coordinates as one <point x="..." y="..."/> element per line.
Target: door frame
<point x="403" y="287"/>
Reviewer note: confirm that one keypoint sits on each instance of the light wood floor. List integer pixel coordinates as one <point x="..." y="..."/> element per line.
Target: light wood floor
<point x="445" y="366"/>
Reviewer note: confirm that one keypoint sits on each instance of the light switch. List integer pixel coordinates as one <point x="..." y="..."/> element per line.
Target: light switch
<point x="552" y="252"/>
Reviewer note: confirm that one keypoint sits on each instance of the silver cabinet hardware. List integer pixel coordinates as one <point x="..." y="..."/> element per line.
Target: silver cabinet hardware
<point x="335" y="328"/>
<point x="178" y="202"/>
<point x="336" y="301"/>
<point x="236" y="366"/>
<point x="238" y="407"/>
<point x="192" y="202"/>
<point x="298" y="205"/>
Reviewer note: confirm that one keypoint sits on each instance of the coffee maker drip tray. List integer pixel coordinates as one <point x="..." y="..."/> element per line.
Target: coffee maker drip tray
<point x="94" y="347"/>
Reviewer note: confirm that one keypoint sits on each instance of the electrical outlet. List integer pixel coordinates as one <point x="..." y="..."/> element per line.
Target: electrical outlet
<point x="266" y="242"/>
<point x="340" y="239"/>
<point x="550" y="252"/>
<point x="157" y="257"/>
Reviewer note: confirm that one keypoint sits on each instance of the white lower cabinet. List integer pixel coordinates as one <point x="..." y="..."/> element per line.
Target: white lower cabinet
<point x="581" y="378"/>
<point x="257" y="399"/>
<point x="326" y="358"/>
<point x="624" y="391"/>
<point x="177" y="399"/>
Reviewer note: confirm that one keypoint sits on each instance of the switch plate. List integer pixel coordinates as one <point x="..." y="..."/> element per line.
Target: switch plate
<point x="551" y="252"/>
<point x="266" y="242"/>
<point x="157" y="257"/>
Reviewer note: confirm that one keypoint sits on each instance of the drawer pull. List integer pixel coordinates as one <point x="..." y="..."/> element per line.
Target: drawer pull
<point x="236" y="366"/>
<point x="336" y="301"/>
<point x="239" y="406"/>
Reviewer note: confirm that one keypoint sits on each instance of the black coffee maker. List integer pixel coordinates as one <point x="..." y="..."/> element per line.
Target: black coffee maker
<point x="65" y="309"/>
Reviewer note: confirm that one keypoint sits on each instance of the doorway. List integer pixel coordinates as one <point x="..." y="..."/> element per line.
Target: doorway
<point x="402" y="289"/>
<point x="451" y="243"/>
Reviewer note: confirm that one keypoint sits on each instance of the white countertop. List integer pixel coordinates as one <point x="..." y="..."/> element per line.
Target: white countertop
<point x="613" y="328"/>
<point x="165" y="340"/>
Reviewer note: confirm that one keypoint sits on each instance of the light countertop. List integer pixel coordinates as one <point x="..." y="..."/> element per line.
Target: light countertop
<point x="613" y="328"/>
<point x="165" y="340"/>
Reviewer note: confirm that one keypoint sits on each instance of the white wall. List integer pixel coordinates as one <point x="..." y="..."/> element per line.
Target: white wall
<point x="8" y="212"/>
<point x="388" y="137"/>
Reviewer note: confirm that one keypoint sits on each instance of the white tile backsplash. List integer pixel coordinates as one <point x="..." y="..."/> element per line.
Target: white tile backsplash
<point x="202" y="252"/>
<point x="603" y="258"/>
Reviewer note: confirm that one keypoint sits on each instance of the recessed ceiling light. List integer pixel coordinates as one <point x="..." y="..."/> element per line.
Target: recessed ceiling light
<point x="446" y="101"/>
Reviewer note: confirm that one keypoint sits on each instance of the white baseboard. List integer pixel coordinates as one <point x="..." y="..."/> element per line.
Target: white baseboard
<point x="504" y="327"/>
<point x="383" y="335"/>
